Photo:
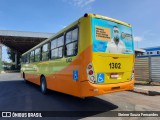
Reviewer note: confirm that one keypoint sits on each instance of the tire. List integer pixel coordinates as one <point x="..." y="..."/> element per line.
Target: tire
<point x="43" y="85"/>
<point x="24" y="78"/>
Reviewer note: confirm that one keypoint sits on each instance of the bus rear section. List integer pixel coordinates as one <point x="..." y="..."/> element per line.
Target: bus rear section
<point x="112" y="66"/>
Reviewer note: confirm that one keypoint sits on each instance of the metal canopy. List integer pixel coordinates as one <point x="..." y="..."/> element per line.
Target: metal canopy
<point x="21" y="41"/>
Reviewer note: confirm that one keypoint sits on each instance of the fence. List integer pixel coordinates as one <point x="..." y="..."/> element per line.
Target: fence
<point x="148" y="68"/>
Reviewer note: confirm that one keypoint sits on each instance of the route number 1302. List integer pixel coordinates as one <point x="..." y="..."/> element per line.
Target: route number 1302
<point x="115" y="65"/>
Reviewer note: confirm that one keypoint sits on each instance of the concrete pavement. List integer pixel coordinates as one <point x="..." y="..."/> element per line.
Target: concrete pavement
<point x="147" y="89"/>
<point x="16" y="95"/>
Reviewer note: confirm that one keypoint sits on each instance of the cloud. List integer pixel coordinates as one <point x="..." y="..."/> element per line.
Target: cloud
<point x="138" y="38"/>
<point x="79" y="3"/>
<point x="63" y="26"/>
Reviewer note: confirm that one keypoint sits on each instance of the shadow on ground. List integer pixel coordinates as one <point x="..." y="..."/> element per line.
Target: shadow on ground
<point x="21" y="96"/>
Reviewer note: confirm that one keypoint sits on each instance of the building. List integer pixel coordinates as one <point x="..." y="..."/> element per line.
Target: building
<point x="150" y="51"/>
<point x="147" y="65"/>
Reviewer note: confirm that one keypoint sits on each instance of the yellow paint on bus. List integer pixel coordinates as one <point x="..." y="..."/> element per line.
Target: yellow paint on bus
<point x="74" y="67"/>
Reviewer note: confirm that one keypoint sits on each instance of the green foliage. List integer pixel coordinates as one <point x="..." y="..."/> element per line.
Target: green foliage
<point x="11" y="55"/>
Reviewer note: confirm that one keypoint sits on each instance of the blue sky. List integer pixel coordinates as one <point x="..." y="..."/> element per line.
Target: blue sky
<point x="53" y="15"/>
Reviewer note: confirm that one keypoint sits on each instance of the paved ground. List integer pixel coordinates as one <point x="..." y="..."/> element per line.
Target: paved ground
<point x="145" y="87"/>
<point x="16" y="95"/>
<point x="149" y="87"/>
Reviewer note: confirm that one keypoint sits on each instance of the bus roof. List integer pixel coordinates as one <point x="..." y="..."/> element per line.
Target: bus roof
<point x="74" y="23"/>
<point x="107" y="18"/>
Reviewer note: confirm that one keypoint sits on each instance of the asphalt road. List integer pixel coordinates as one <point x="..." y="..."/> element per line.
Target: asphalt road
<point x="16" y="95"/>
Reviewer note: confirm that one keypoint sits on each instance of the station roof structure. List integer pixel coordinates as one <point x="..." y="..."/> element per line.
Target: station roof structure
<point x="22" y="41"/>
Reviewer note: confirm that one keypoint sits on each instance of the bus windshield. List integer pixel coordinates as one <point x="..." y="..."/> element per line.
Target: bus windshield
<point x="111" y="37"/>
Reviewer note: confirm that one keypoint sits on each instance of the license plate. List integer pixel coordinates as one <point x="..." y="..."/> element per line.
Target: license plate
<point x="114" y="75"/>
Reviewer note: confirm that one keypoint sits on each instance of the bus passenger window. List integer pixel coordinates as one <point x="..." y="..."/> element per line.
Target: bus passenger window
<point x="158" y="52"/>
<point x="45" y="52"/>
<point x="68" y="37"/>
<point x="37" y="55"/>
<point x="71" y="49"/>
<point x="27" y="58"/>
<point x="54" y="53"/>
<point x="60" y="51"/>
<point x="75" y="34"/>
<point x="32" y="56"/>
<point x="71" y="43"/>
<point x="57" y="47"/>
<point x="53" y="44"/>
<point x="60" y="41"/>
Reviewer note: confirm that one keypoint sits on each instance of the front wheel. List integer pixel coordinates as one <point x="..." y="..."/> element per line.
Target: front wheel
<point x="43" y="85"/>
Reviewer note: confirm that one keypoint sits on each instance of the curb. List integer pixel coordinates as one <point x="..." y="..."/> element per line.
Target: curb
<point x="145" y="91"/>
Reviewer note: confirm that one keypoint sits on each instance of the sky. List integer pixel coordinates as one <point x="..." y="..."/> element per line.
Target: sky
<point x="53" y="15"/>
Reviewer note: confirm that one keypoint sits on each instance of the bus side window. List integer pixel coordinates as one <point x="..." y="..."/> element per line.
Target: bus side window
<point x="60" y="44"/>
<point x="32" y="56"/>
<point x="71" y="43"/>
<point x="57" y="47"/>
<point x="27" y="58"/>
<point x="45" y="52"/>
<point x="37" y="55"/>
<point x="54" y="50"/>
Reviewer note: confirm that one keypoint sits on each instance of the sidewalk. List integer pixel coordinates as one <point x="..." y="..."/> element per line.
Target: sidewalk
<point x="147" y="89"/>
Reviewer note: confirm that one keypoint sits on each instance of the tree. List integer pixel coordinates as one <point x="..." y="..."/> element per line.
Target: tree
<point x="11" y="55"/>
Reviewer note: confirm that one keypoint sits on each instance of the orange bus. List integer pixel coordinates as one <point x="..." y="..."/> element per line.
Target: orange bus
<point x="92" y="56"/>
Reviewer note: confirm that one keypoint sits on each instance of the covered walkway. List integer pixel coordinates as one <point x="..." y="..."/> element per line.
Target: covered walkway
<point x="20" y="41"/>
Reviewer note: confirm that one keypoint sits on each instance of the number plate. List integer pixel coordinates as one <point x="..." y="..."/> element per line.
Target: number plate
<point x="114" y="75"/>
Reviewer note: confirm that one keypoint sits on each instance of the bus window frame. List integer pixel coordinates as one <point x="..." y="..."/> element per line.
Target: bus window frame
<point x="28" y="58"/>
<point x="45" y="51"/>
<point x="30" y="61"/>
<point x="38" y="54"/>
<point x="56" y="38"/>
<point x="65" y="49"/>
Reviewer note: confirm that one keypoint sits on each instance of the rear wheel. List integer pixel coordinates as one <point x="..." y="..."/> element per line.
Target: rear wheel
<point x="43" y="85"/>
<point x="24" y="78"/>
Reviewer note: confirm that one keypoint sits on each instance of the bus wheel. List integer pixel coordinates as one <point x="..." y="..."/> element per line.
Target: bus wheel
<point x="43" y="85"/>
<point x="24" y="78"/>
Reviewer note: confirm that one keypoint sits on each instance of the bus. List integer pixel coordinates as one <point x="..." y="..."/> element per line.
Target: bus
<point x="92" y="56"/>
